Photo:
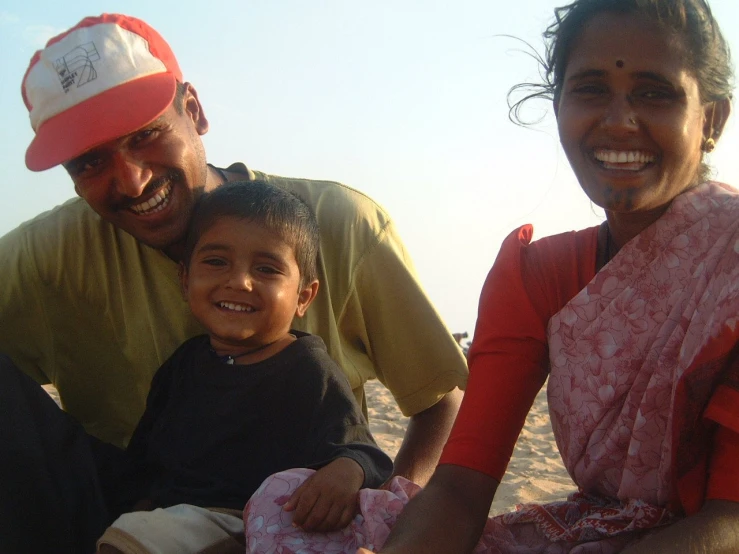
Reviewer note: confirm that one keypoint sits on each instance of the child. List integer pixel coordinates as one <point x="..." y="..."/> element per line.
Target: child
<point x="250" y="398"/>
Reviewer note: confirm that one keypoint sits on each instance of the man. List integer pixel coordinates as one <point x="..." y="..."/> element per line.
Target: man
<point x="89" y="296"/>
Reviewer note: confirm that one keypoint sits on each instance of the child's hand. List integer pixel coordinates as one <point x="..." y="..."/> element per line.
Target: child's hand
<point x="327" y="501"/>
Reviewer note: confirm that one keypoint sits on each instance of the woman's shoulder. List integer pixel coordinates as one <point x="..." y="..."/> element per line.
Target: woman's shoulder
<point x="571" y="248"/>
<point x="544" y="274"/>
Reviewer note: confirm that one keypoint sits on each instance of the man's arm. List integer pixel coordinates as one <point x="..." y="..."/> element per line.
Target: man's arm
<point x="425" y="437"/>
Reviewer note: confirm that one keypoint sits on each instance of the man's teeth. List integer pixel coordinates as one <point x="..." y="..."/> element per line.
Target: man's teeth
<point x="236" y="307"/>
<point x="155" y="204"/>
<point x="623" y="156"/>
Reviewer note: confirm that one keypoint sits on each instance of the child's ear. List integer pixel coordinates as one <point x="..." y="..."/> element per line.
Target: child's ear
<point x="182" y="273"/>
<point x="305" y="297"/>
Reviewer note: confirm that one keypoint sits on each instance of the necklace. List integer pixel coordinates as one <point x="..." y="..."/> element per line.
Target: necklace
<point x="231" y="359"/>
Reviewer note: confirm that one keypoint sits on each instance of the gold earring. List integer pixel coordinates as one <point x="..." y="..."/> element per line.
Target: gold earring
<point x="708" y="145"/>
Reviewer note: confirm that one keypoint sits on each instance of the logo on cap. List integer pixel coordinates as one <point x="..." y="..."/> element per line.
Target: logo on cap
<point x="75" y="67"/>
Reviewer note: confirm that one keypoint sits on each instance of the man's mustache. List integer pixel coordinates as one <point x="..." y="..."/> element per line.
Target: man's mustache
<point x="156" y="184"/>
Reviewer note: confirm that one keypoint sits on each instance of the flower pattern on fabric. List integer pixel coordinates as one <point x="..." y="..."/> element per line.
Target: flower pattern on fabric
<point x="638" y="328"/>
<point x="269" y="528"/>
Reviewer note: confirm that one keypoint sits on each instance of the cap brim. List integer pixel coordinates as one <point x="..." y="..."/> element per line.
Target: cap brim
<point x="104" y="117"/>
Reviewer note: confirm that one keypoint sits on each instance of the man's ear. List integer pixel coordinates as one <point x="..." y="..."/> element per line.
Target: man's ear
<point x="305" y="297"/>
<point x="182" y="273"/>
<point x="194" y="109"/>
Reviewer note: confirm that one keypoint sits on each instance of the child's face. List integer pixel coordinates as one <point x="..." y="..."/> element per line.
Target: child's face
<point x="243" y="285"/>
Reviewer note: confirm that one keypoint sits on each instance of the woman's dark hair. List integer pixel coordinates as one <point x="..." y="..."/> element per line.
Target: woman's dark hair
<point x="279" y="211"/>
<point x="691" y="22"/>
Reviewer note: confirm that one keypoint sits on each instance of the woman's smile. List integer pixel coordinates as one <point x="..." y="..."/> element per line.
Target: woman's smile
<point x="626" y="160"/>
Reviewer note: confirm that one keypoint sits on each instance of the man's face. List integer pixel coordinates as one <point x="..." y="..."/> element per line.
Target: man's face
<point x="147" y="182"/>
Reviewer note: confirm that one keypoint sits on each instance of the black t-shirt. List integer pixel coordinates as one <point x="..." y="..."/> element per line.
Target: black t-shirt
<point x="212" y="432"/>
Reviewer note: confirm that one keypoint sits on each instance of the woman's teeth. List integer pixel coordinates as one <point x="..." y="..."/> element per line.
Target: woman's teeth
<point x="616" y="158"/>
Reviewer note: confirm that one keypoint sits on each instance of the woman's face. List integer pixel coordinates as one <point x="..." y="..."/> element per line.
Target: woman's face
<point x="630" y="116"/>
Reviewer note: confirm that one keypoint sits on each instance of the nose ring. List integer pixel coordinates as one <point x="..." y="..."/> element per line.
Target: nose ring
<point x="632" y="120"/>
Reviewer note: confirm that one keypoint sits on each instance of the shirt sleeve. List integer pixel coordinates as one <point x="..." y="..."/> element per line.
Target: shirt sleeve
<point x="507" y="367"/>
<point x="509" y="355"/>
<point x="339" y="430"/>
<point x="413" y="351"/>
<point x="24" y="329"/>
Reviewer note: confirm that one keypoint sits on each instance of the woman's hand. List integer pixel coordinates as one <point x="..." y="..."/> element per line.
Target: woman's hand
<point x="327" y="500"/>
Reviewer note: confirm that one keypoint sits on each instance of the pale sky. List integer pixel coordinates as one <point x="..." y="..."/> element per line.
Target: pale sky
<point x="403" y="100"/>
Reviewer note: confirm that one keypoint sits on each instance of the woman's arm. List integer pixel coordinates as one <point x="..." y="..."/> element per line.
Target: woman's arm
<point x="448" y="516"/>
<point x="712" y="530"/>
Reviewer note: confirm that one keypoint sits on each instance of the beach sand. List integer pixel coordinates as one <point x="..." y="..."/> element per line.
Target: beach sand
<point x="535" y="472"/>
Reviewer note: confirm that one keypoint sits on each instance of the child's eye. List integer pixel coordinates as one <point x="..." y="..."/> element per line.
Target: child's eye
<point x="267" y="269"/>
<point x="214" y="262"/>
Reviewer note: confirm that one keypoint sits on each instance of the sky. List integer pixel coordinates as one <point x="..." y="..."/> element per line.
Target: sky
<point x="404" y="100"/>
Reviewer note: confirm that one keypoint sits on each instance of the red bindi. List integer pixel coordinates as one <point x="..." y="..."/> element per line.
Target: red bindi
<point x="619" y="63"/>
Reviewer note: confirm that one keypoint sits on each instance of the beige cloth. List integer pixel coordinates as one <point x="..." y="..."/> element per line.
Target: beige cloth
<point x="180" y="529"/>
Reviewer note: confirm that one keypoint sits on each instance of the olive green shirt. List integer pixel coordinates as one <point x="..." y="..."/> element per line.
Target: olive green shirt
<point x="85" y="306"/>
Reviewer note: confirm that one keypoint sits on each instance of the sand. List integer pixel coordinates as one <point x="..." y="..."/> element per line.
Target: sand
<point x="535" y="472"/>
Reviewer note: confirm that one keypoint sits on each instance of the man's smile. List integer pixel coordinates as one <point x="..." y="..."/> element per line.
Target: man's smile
<point x="156" y="203"/>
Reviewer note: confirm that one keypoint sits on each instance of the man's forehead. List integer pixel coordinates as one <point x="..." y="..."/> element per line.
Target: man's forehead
<point x="117" y="142"/>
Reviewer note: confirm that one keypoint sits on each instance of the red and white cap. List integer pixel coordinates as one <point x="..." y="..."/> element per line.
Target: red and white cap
<point x="102" y="79"/>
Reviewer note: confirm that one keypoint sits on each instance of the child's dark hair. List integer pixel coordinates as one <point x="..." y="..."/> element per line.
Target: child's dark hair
<point x="278" y="210"/>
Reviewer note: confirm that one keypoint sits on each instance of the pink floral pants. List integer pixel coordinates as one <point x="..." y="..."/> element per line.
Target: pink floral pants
<point x="269" y="529"/>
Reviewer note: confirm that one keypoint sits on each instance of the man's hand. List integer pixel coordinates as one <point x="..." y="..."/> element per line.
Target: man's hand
<point x="327" y="500"/>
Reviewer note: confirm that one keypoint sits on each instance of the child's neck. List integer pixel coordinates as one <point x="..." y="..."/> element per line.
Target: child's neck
<point x="258" y="353"/>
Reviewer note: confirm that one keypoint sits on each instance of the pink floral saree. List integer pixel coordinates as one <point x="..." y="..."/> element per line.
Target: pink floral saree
<point x="644" y="369"/>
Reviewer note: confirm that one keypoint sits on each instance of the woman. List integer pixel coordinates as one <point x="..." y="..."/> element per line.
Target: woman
<point x="635" y="322"/>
